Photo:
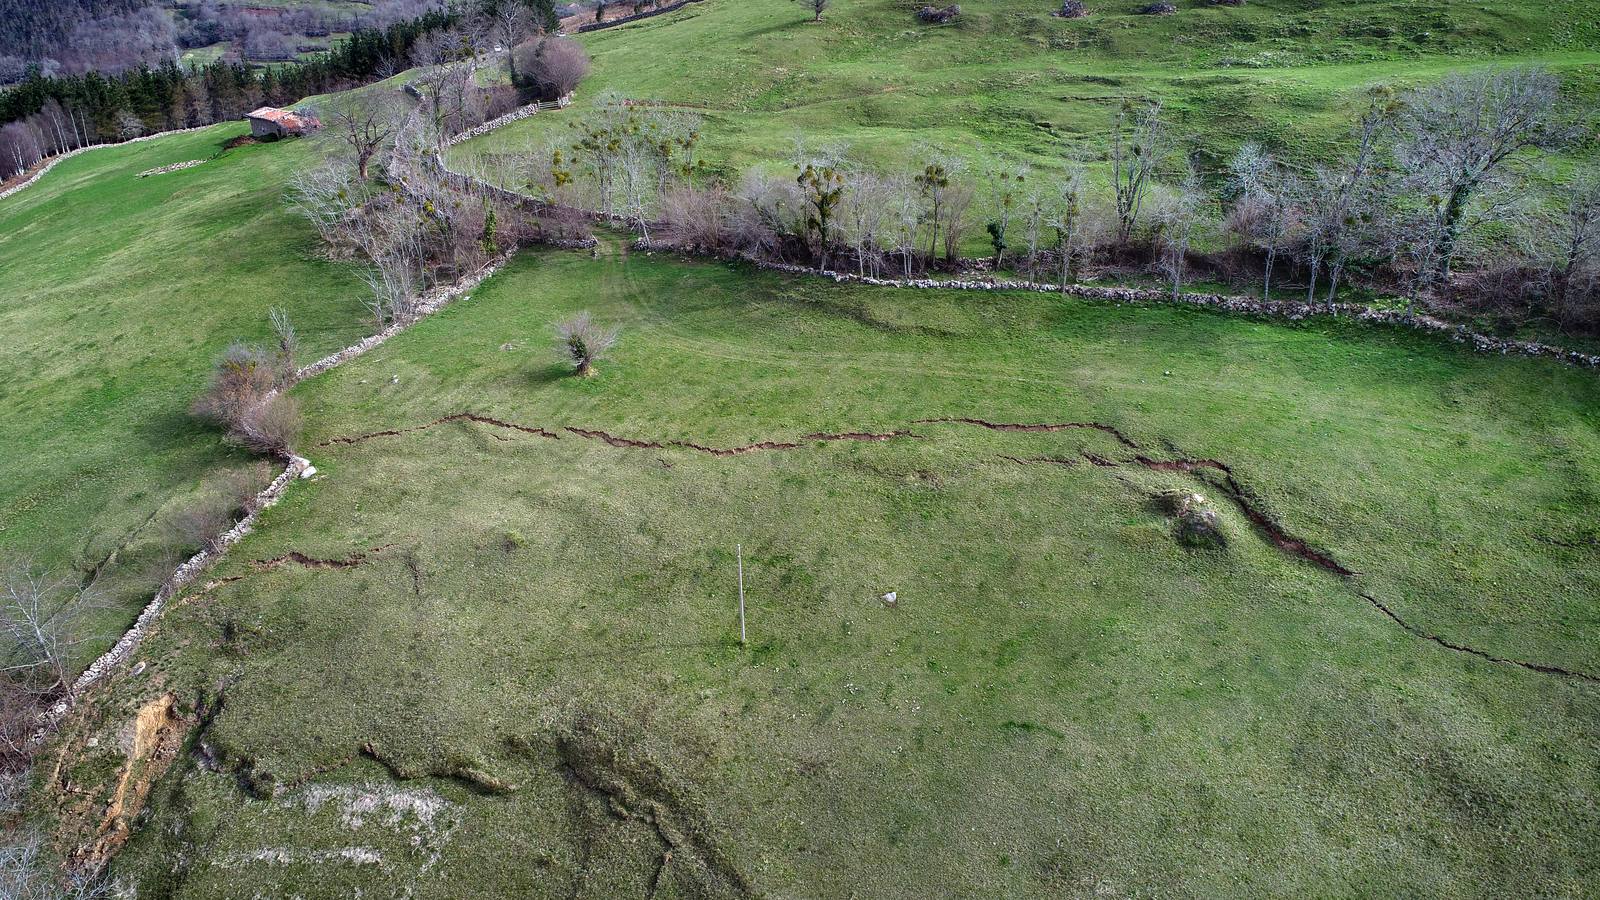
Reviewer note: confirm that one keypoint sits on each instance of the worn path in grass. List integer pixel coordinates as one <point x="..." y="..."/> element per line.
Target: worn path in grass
<point x="1063" y="700"/>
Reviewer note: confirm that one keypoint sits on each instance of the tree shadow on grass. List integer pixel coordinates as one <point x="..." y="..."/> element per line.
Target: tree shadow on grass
<point x="549" y="374"/>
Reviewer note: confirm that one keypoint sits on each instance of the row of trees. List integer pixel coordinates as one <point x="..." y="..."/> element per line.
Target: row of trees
<point x="1431" y="198"/>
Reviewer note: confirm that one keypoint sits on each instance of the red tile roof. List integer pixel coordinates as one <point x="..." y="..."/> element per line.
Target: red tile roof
<point x="292" y="121"/>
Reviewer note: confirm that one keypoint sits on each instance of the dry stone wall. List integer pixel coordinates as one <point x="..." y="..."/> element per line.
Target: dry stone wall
<point x="1278" y="309"/>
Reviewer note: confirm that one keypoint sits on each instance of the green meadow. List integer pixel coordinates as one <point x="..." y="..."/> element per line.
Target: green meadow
<point x="1009" y="80"/>
<point x="119" y="293"/>
<point x="537" y="633"/>
<point x="492" y="648"/>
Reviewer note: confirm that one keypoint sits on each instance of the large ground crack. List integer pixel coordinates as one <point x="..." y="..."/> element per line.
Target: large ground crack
<point x="757" y="447"/>
<point x="1229" y="484"/>
<point x="1112" y="430"/>
<point x="1241" y="498"/>
<point x="445" y="420"/>
<point x="1542" y="668"/>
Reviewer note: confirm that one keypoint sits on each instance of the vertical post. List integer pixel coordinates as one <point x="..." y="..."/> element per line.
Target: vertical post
<point x="739" y="551"/>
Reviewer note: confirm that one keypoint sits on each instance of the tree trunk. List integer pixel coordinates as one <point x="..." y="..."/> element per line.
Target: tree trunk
<point x="586" y="368"/>
<point x="1454" y="209"/>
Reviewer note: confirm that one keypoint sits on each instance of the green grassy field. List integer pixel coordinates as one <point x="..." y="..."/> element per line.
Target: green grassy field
<point x="120" y="292"/>
<point x="480" y="659"/>
<point x="537" y="634"/>
<point x="1009" y="79"/>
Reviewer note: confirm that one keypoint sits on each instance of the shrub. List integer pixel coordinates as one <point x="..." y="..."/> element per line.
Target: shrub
<point x="197" y="524"/>
<point x="584" y="342"/>
<point x="550" y="68"/>
<point x="270" y="429"/>
<point x="243" y="375"/>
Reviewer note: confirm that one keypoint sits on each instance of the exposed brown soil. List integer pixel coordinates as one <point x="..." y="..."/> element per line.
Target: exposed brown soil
<point x="158" y="733"/>
<point x="1181" y="465"/>
<point x="1122" y="439"/>
<point x="454" y="417"/>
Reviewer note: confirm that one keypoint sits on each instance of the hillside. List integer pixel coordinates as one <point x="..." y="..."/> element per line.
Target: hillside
<point x="1008" y="78"/>
<point x="1049" y="591"/>
<point x="1062" y="699"/>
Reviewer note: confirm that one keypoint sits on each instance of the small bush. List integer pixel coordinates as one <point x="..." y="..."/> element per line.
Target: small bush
<point x="243" y="375"/>
<point x="199" y="523"/>
<point x="270" y="429"/>
<point x="584" y="342"/>
<point x="550" y="68"/>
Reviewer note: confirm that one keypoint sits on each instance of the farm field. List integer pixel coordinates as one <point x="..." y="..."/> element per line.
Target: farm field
<point x="527" y="617"/>
<point x="1008" y="79"/>
<point x="121" y="291"/>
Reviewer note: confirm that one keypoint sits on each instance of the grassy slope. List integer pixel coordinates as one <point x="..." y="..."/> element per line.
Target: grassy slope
<point x="120" y="292"/>
<point x="1064" y="702"/>
<point x="1011" y="79"/>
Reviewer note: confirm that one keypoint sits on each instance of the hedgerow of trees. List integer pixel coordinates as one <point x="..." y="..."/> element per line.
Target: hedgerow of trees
<point x="1431" y="200"/>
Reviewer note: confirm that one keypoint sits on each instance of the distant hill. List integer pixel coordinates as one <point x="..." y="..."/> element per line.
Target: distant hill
<point x="74" y="36"/>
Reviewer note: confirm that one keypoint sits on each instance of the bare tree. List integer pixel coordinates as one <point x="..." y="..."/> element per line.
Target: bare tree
<point x="1577" y="230"/>
<point x="1264" y="212"/>
<point x="1462" y="133"/>
<point x="511" y="23"/>
<point x="43" y="620"/>
<point x="328" y="195"/>
<point x="270" y="428"/>
<point x="602" y="135"/>
<point x="364" y="126"/>
<point x="243" y="375"/>
<point x="776" y="211"/>
<point x="1178" y="219"/>
<point x="867" y="202"/>
<point x="584" y="342"/>
<point x="957" y="202"/>
<point x="637" y="168"/>
<point x="905" y="213"/>
<point x="551" y="67"/>
<point x="817" y="7"/>
<point x="1139" y="145"/>
<point x="697" y="215"/>
<point x="27" y="873"/>
<point x="1068" y="219"/>
<point x="287" y="344"/>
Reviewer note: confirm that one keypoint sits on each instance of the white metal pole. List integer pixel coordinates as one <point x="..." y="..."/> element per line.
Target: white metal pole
<point x="739" y="550"/>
